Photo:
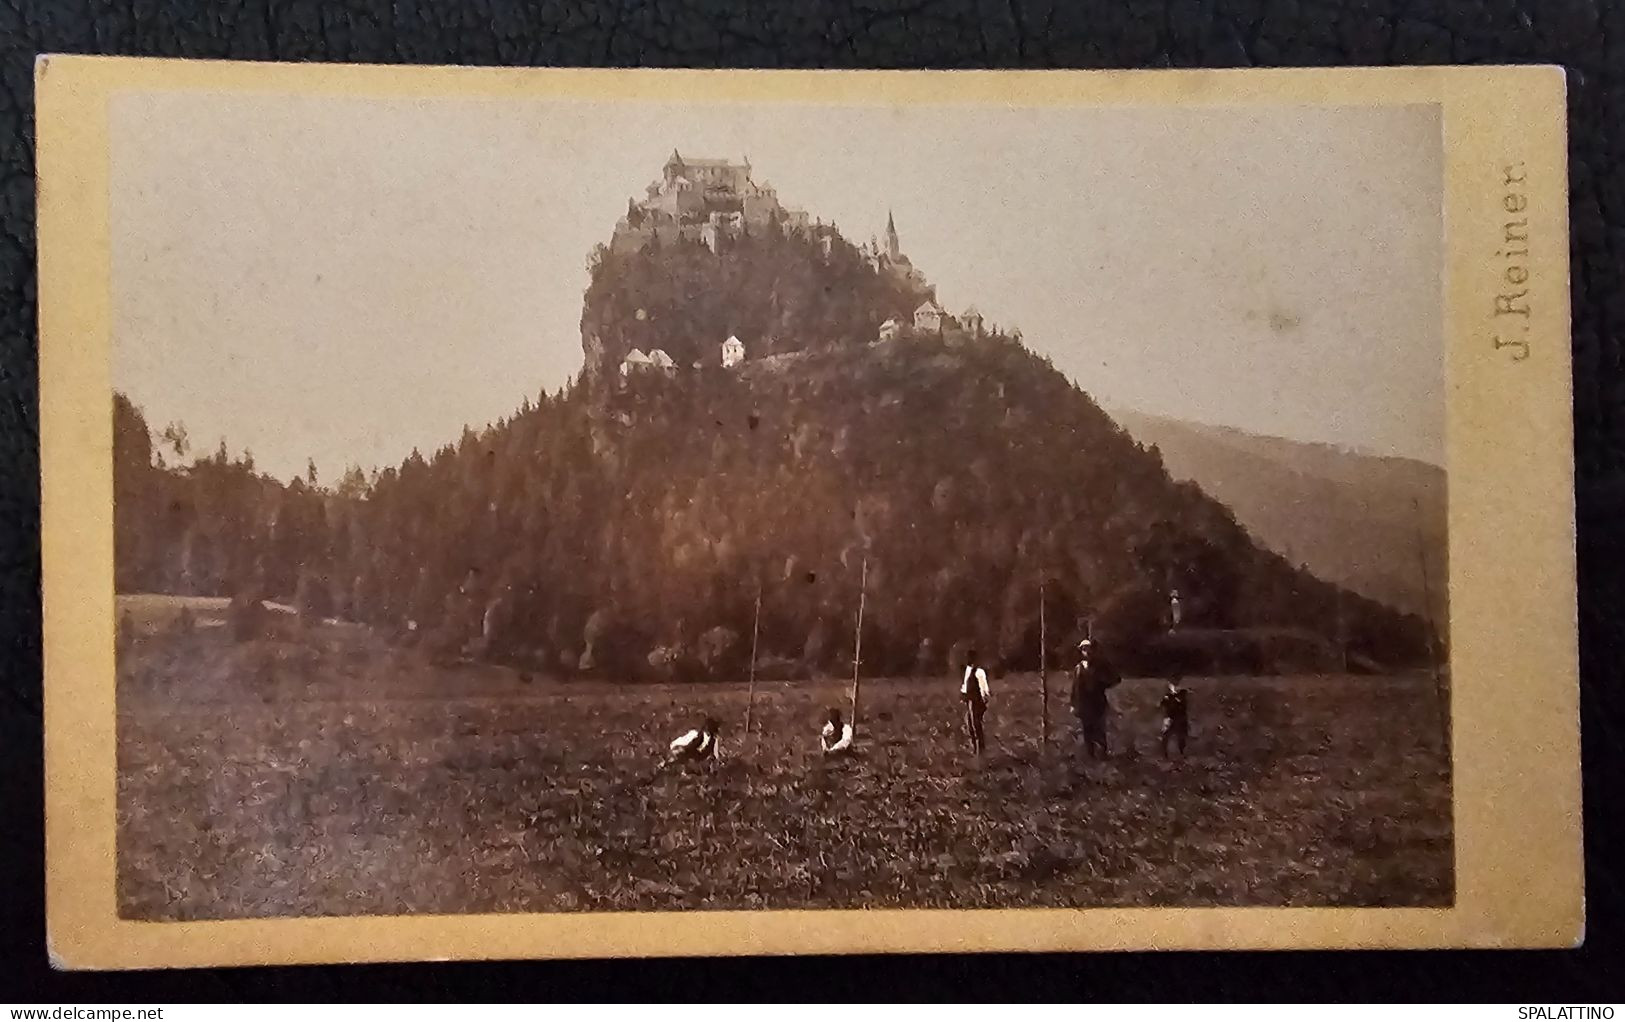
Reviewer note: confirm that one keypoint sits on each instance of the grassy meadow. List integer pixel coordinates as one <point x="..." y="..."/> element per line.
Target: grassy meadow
<point x="325" y="772"/>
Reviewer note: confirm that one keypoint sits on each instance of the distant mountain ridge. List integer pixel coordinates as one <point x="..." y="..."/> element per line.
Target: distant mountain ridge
<point x="1362" y="520"/>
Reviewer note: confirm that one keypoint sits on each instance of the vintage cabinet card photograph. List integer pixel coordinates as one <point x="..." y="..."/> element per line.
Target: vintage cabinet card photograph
<point x="500" y="513"/>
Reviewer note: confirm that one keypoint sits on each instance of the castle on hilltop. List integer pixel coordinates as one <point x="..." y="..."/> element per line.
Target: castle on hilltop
<point x="703" y="200"/>
<point x="713" y="202"/>
<point x="710" y="201"/>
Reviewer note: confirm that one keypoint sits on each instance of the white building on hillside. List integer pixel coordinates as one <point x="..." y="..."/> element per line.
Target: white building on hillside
<point x="658" y="359"/>
<point x="928" y="318"/>
<point x="634" y="361"/>
<point x="733" y="352"/>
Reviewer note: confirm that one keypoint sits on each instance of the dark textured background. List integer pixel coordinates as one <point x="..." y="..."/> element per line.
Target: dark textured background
<point x="1587" y="37"/>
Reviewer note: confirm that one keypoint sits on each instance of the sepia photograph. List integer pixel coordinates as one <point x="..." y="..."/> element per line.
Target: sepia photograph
<point x="570" y="507"/>
<point x="603" y="513"/>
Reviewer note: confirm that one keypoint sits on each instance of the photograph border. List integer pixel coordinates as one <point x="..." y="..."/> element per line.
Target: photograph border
<point x="1509" y="442"/>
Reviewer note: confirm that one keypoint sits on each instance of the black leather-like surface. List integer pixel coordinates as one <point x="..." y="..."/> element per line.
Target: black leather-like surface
<point x="1588" y="36"/>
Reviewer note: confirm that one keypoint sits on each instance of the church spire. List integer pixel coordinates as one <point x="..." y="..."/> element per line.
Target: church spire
<point x="894" y="250"/>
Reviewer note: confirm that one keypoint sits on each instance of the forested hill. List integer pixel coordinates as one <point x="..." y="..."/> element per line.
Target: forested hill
<point x="627" y="525"/>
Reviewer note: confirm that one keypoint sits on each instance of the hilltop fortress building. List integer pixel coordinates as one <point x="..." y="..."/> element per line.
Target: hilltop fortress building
<point x="703" y="200"/>
<point x="710" y="201"/>
<point x="890" y="259"/>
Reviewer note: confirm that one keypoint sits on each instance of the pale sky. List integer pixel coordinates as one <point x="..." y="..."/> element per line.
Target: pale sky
<point x="346" y="278"/>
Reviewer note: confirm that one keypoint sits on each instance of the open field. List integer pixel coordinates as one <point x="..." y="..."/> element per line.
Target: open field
<point x="152" y="611"/>
<point x="147" y="613"/>
<point x="331" y="774"/>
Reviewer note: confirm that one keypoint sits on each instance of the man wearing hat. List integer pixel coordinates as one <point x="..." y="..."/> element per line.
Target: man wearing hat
<point x="1090" y="681"/>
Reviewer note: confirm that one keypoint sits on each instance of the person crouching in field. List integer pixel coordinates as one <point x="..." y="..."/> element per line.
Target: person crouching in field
<point x="1091" y="679"/>
<point x="700" y="743"/>
<point x="836" y="738"/>
<point x="974" y="691"/>
<point x="1176" y="729"/>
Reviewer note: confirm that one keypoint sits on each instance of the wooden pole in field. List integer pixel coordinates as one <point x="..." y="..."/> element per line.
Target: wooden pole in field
<point x="857" y="643"/>
<point x="1043" y="670"/>
<point x="755" y="630"/>
<point x="1342" y="633"/>
<point x="1427" y="619"/>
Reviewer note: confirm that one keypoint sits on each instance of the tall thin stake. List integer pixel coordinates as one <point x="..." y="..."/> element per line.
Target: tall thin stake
<point x="1043" y="670"/>
<point x="755" y="630"/>
<point x="857" y="643"/>
<point x="1439" y="690"/>
<point x="1342" y="633"/>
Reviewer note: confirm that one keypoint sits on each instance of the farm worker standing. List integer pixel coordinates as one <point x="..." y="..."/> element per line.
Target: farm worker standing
<point x="1090" y="681"/>
<point x="700" y="743"/>
<point x="836" y="738"/>
<point x="974" y="691"/>
<point x="1175" y="705"/>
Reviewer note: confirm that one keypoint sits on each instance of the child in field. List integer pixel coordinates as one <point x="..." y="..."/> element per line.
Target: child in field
<point x="700" y="743"/>
<point x="974" y="691"/>
<point x="836" y="738"/>
<point x="1175" y="705"/>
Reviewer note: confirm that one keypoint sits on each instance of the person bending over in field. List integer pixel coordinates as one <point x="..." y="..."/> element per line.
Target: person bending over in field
<point x="700" y="743"/>
<point x="1176" y="728"/>
<point x="974" y="691"/>
<point x="836" y="738"/>
<point x="1090" y="681"/>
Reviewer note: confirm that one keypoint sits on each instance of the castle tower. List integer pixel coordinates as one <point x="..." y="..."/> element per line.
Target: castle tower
<point x="894" y="250"/>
